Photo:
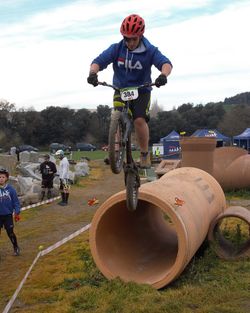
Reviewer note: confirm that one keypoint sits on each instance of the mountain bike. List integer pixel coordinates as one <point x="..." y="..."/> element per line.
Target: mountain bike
<point x="120" y="129"/>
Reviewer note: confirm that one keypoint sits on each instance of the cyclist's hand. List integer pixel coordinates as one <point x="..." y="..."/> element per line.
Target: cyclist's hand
<point x="17" y="217"/>
<point x="161" y="80"/>
<point x="93" y="79"/>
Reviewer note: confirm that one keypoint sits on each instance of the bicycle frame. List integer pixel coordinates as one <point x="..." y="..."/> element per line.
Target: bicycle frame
<point x="125" y="113"/>
<point x="120" y="135"/>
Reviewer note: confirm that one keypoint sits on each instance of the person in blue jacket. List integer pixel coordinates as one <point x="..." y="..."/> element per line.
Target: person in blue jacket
<point x="132" y="59"/>
<point x="9" y="205"/>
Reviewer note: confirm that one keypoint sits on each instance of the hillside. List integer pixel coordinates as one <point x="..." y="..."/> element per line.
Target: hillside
<point x="241" y="98"/>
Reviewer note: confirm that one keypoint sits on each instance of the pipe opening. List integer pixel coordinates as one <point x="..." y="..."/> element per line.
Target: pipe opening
<point x="232" y="237"/>
<point x="139" y="246"/>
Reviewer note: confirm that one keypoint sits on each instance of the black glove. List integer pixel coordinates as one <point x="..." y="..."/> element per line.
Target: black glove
<point x="93" y="79"/>
<point x="161" y="80"/>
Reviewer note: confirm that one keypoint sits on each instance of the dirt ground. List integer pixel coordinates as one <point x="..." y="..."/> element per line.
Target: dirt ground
<point x="47" y="224"/>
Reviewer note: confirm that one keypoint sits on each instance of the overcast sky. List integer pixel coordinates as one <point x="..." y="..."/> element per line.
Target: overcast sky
<point x="46" y="48"/>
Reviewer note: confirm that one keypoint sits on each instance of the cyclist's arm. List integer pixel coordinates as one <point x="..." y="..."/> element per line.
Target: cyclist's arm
<point x="166" y="69"/>
<point x="161" y="62"/>
<point x="104" y="59"/>
<point x="94" y="68"/>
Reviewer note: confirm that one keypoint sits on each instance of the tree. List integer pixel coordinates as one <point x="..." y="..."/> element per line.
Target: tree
<point x="103" y="115"/>
<point x="6" y="111"/>
<point x="27" y="124"/>
<point x="82" y="125"/>
<point x="163" y="124"/>
<point x="6" y="108"/>
<point x="235" y="121"/>
<point x="56" y="126"/>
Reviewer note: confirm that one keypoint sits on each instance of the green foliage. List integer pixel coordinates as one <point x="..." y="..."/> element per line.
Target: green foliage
<point x="242" y="98"/>
<point x="236" y="120"/>
<point x="90" y="276"/>
<point x="236" y="236"/>
<point x="236" y="194"/>
<point x="207" y="285"/>
<point x="68" y="126"/>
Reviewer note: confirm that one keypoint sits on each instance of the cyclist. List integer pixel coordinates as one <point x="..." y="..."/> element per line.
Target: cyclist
<point x="9" y="204"/>
<point x="132" y="60"/>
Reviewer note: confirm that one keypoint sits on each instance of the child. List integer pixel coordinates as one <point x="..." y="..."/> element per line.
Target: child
<point x="9" y="204"/>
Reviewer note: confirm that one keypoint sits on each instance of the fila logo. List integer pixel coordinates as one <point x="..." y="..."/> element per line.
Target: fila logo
<point x="128" y="64"/>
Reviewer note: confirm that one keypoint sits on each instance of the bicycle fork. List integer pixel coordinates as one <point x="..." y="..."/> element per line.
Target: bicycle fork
<point x="128" y="125"/>
<point x="131" y="167"/>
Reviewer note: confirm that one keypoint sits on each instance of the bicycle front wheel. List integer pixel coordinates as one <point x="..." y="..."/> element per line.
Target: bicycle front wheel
<point x="132" y="186"/>
<point x="116" y="145"/>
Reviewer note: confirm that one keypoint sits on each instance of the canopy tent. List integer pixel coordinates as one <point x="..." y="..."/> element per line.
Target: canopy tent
<point x="214" y="133"/>
<point x="171" y="145"/>
<point x="171" y="136"/>
<point x="243" y="140"/>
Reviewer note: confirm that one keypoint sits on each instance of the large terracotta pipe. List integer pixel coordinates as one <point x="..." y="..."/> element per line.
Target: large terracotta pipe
<point x="198" y="152"/>
<point x="154" y="244"/>
<point x="232" y="168"/>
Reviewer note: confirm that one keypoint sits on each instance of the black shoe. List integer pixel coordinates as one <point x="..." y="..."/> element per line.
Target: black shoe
<point x="62" y="203"/>
<point x="16" y="251"/>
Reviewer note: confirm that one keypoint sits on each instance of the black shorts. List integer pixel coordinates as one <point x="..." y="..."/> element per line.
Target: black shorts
<point x="6" y="221"/>
<point x="139" y="107"/>
<point x="47" y="183"/>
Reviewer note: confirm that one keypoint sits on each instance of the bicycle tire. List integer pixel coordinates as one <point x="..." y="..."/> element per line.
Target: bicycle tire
<point x="116" y="148"/>
<point x="132" y="186"/>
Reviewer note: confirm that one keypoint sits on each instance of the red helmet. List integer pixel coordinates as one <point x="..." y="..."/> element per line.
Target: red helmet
<point x="132" y="26"/>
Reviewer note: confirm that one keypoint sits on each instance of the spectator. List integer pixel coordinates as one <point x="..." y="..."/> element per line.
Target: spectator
<point x="157" y="152"/>
<point x="64" y="177"/>
<point x="9" y="204"/>
<point x="15" y="151"/>
<point x="48" y="170"/>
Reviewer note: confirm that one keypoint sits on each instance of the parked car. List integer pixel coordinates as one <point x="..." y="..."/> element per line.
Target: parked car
<point x="27" y="148"/>
<point x="81" y="146"/>
<point x="59" y="146"/>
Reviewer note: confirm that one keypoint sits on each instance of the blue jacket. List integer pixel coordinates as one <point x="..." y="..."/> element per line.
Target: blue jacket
<point x="9" y="202"/>
<point x="131" y="68"/>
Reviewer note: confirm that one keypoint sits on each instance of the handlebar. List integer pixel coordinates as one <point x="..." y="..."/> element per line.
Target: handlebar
<point x="118" y="89"/>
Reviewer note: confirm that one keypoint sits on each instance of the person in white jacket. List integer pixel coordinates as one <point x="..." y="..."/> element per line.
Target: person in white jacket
<point x="64" y="177"/>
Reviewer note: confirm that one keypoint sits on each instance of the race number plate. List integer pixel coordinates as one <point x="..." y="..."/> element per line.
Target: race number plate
<point x="128" y="94"/>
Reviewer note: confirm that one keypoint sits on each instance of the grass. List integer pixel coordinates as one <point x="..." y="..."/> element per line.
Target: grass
<point x="238" y="194"/>
<point x="96" y="155"/>
<point x="67" y="280"/>
<point x="92" y="155"/>
<point x="235" y="230"/>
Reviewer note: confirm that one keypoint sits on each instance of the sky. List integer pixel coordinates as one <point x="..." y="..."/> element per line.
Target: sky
<point x="47" y="46"/>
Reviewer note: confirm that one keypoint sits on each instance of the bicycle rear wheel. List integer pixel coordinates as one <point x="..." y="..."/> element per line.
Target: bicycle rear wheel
<point x="132" y="186"/>
<point x="116" y="146"/>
